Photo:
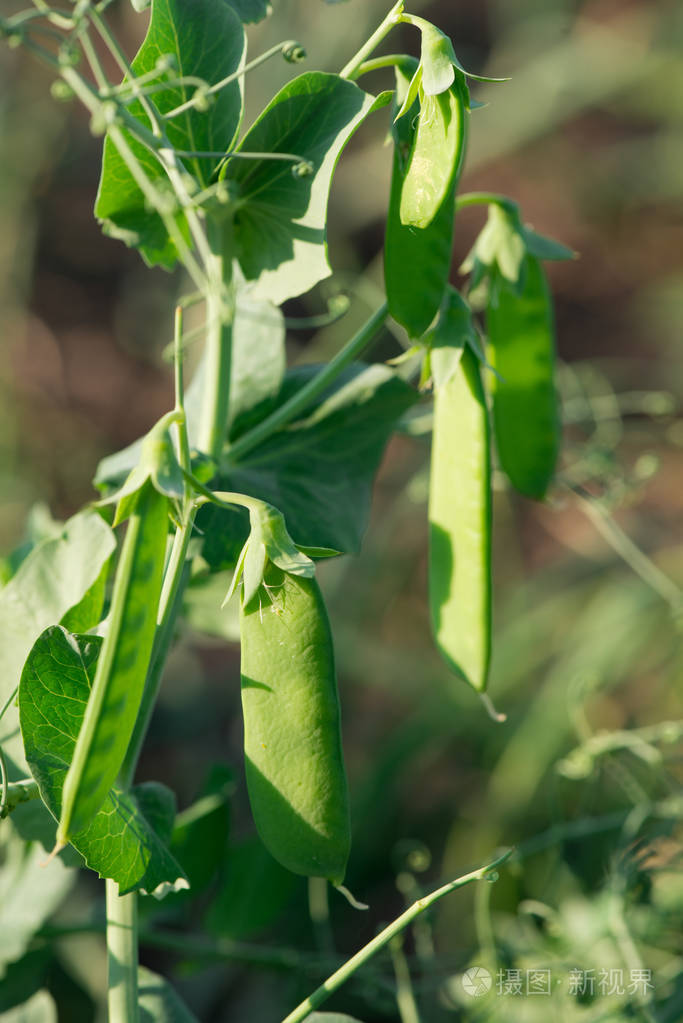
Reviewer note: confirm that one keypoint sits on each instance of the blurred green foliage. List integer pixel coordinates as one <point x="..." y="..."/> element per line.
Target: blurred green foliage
<point x="584" y="778"/>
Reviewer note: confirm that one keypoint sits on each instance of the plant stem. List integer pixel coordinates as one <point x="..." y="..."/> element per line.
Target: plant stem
<point x="379" y="63"/>
<point x="384" y="937"/>
<point x="220" y="311"/>
<point x="393" y="18"/>
<point x="16" y="792"/>
<point x="183" y="452"/>
<point x="405" y="997"/>
<point x="299" y="401"/>
<point x="484" y="199"/>
<point x="209" y="90"/>
<point x="122" y="955"/>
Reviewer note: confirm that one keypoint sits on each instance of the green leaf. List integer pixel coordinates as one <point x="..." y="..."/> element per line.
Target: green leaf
<point x="39" y="1009"/>
<point x="268" y="541"/>
<point x="254" y="893"/>
<point x="24" y="977"/>
<point x="407" y="91"/>
<point x="87" y="613"/>
<point x="50" y="581"/>
<point x="280" y="217"/>
<point x="121" y="842"/>
<point x="318" y="471"/>
<point x="39" y="525"/>
<point x="152" y="457"/>
<point x="29" y="893"/>
<point x="501" y="244"/>
<point x="438" y="61"/>
<point x="545" y="248"/>
<point x="206" y="39"/>
<point x="159" y="1002"/>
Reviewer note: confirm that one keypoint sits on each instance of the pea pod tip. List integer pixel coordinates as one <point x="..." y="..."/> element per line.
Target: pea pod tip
<point x="350" y="898"/>
<point x="58" y="846"/>
<point x="494" y="714"/>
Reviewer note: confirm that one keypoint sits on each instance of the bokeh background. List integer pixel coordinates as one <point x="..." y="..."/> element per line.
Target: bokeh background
<point x="584" y="776"/>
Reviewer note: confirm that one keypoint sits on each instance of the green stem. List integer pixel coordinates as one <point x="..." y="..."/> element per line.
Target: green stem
<point x="220" y="311"/>
<point x="379" y="63"/>
<point x="92" y="102"/>
<point x="341" y="975"/>
<point x="122" y="955"/>
<point x="16" y="792"/>
<point x="211" y="89"/>
<point x="405" y="996"/>
<point x="183" y="440"/>
<point x="393" y="18"/>
<point x="303" y="397"/>
<point x="484" y="199"/>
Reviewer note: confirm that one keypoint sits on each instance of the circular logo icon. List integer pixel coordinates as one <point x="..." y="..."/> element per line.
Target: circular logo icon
<point x="476" y="981"/>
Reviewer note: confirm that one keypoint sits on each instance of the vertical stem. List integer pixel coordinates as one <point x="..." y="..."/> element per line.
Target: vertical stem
<point x="220" y="312"/>
<point x="319" y="911"/>
<point x="181" y="428"/>
<point x="122" y="955"/>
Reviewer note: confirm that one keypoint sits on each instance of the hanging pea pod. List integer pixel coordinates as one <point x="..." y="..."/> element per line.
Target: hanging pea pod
<point x="522" y="352"/>
<point x="121" y="671"/>
<point x="419" y="231"/>
<point x="460" y="523"/>
<point x="435" y="158"/>
<point x="292" y="742"/>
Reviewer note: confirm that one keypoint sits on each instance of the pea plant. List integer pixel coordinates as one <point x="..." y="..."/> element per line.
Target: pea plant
<point x="258" y="468"/>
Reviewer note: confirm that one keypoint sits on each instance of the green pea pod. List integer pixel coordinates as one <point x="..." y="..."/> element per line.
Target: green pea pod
<point x="522" y="351"/>
<point x="292" y="741"/>
<point x="434" y="159"/>
<point x="121" y="670"/>
<point x="460" y="524"/>
<point x="420" y="220"/>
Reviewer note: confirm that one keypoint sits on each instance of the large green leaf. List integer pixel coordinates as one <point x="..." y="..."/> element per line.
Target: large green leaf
<point x="29" y="894"/>
<point x="319" y="469"/>
<point x="50" y="581"/>
<point x="123" y="840"/>
<point x="280" y="215"/>
<point x="206" y="39"/>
